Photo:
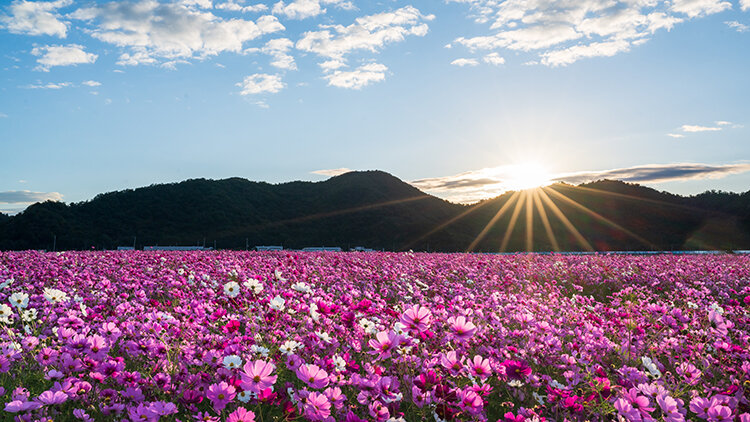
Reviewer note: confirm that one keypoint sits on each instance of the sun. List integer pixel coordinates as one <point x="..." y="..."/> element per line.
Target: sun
<point x="523" y="176"/>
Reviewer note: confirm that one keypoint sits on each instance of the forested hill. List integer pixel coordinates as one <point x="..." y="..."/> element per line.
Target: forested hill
<point x="377" y="210"/>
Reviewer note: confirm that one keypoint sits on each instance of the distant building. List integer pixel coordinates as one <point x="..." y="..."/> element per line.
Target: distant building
<point x="269" y="248"/>
<point x="361" y="249"/>
<point x="125" y="248"/>
<point x="322" y="249"/>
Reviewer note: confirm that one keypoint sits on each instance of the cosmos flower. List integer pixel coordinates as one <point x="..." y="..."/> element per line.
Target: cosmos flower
<point x="313" y="375"/>
<point x="231" y="289"/>
<point x="256" y="376"/>
<point x="220" y="395"/>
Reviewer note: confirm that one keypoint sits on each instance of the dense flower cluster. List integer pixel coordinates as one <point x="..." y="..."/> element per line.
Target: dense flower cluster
<point x="237" y="336"/>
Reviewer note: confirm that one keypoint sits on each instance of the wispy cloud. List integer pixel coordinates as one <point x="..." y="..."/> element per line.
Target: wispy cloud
<point x="261" y="83"/>
<point x="675" y="135"/>
<point x="61" y="55"/>
<point x="357" y="78"/>
<point x="28" y="197"/>
<point x="739" y="27"/>
<point x="476" y="185"/>
<point x="331" y="172"/>
<point x="561" y="33"/>
<point x="462" y="62"/>
<point x="698" y="128"/>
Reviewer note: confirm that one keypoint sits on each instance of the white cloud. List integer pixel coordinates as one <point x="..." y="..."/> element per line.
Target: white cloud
<point x="675" y="135"/>
<point x="278" y="49"/>
<point x="739" y="27"/>
<point x="562" y="32"/>
<point x="36" y="18"/>
<point x="465" y="62"/>
<point x="332" y="172"/>
<point x="572" y="54"/>
<point x="697" y="128"/>
<point x="745" y="5"/>
<point x="91" y="83"/>
<point x="235" y="7"/>
<point x="367" y="33"/>
<point x="156" y="31"/>
<point x="61" y="55"/>
<point x="330" y="65"/>
<point x="695" y="8"/>
<point x="358" y="78"/>
<point x="302" y="9"/>
<point x="50" y="85"/>
<point x="723" y="123"/>
<point x="261" y="83"/>
<point x="493" y="59"/>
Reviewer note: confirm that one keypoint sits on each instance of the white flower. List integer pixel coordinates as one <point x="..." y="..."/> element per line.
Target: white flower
<point x="253" y="285"/>
<point x="232" y="289"/>
<point x="191" y="279"/>
<point x="263" y="351"/>
<point x="301" y="286"/>
<point x="277" y="303"/>
<point x="399" y="328"/>
<point x="651" y="367"/>
<point x="718" y="309"/>
<point x="368" y="326"/>
<point x="6" y="283"/>
<point x="19" y="300"/>
<point x="539" y="399"/>
<point x="55" y="295"/>
<point x="180" y="271"/>
<point x="6" y="313"/>
<point x="515" y="383"/>
<point x="277" y="275"/>
<point x="244" y="396"/>
<point x="289" y="347"/>
<point x="339" y="362"/>
<point x="692" y="305"/>
<point x="28" y="315"/>
<point x="314" y="312"/>
<point x="232" y="361"/>
<point x="322" y="335"/>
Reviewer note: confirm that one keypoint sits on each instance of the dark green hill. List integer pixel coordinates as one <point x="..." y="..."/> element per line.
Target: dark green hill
<point x="377" y="210"/>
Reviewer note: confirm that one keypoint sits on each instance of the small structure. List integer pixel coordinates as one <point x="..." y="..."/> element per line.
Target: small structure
<point x="360" y="249"/>
<point x="322" y="249"/>
<point x="269" y="248"/>
<point x="125" y="248"/>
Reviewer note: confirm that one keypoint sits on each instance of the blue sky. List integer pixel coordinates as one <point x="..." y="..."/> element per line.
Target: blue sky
<point x="454" y="96"/>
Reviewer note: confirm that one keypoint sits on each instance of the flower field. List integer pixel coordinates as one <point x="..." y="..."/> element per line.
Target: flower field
<point x="237" y="336"/>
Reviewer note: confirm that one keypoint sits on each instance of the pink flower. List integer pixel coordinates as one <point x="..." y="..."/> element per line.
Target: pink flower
<point x="516" y="369"/>
<point x="417" y="318"/>
<point x="313" y="375"/>
<point x="256" y="376"/>
<point x="480" y="367"/>
<point x="220" y="395"/>
<point x="48" y="397"/>
<point x="317" y="407"/>
<point x="720" y="413"/>
<point x="460" y="328"/>
<point x="469" y="401"/>
<point x="241" y="415"/>
<point x="383" y="343"/>
<point x="451" y="362"/>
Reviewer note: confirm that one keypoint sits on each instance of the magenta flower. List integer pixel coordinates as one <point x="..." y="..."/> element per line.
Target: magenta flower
<point x="313" y="375"/>
<point x="417" y="318"/>
<point x="241" y="415"/>
<point x="317" y="407"/>
<point x="719" y="413"/>
<point x="256" y="376"/>
<point x="516" y="369"/>
<point x="49" y="397"/>
<point x="451" y="362"/>
<point x="383" y="344"/>
<point x="460" y="328"/>
<point x="480" y="367"/>
<point x="220" y="395"/>
<point x="469" y="401"/>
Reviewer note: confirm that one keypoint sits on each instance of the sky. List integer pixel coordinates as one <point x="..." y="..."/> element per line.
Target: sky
<point x="462" y="98"/>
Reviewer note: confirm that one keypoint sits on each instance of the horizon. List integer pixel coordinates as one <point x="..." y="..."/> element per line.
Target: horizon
<point x="463" y="98"/>
<point x="472" y="203"/>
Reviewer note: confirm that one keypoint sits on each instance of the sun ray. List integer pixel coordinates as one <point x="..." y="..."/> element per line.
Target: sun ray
<point x="571" y="228"/>
<point x="513" y="220"/>
<point x="601" y="218"/>
<point x="492" y="221"/>
<point x="626" y="196"/>
<point x="529" y="223"/>
<point x="545" y="221"/>
<point x="447" y="223"/>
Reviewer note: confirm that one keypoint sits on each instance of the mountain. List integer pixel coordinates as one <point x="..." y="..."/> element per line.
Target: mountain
<point x="377" y="210"/>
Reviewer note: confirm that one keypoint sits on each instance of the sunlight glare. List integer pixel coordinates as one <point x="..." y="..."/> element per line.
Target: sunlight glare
<point x="527" y="176"/>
